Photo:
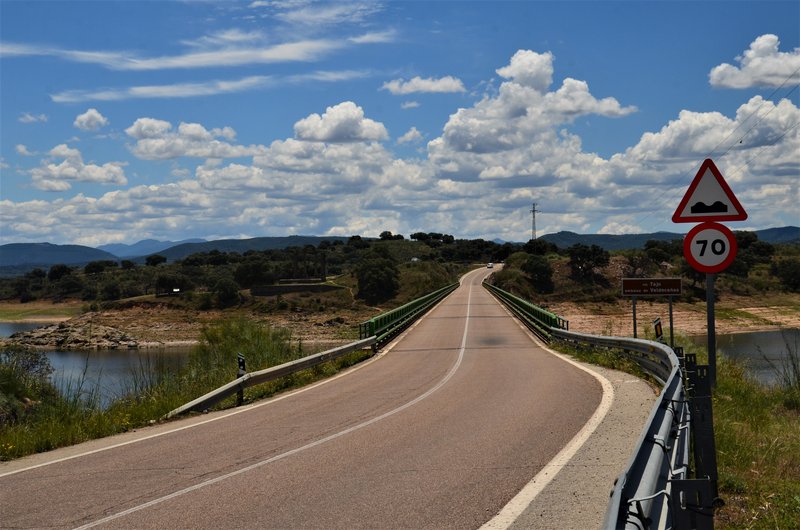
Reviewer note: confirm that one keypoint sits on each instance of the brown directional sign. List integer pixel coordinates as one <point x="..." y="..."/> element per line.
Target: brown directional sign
<point x="651" y="286"/>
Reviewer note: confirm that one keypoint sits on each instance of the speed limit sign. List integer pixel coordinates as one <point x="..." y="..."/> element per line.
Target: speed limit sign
<point x="710" y="247"/>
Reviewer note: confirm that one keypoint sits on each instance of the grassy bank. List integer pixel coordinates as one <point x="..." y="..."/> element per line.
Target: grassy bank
<point x="41" y="311"/>
<point x="35" y="417"/>
<point x="757" y="433"/>
<point x="757" y="430"/>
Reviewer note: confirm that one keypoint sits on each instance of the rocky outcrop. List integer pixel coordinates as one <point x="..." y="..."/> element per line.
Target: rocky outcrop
<point x="79" y="333"/>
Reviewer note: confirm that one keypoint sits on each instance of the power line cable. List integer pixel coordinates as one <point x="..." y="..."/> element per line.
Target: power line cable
<point x="669" y="194"/>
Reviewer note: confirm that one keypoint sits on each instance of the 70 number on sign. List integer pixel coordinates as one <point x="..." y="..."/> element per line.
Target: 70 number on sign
<point x="710" y="247"/>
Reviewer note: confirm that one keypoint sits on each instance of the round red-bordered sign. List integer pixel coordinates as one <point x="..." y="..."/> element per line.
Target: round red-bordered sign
<point x="710" y="247"/>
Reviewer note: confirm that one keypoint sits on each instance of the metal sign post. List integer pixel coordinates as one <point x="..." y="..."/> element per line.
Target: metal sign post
<point x="709" y="247"/>
<point x="711" y="327"/>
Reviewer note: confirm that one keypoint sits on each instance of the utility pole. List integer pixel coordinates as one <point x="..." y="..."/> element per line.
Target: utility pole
<point x="533" y="221"/>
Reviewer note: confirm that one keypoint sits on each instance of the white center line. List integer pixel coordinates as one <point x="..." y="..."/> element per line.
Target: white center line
<point x="315" y="443"/>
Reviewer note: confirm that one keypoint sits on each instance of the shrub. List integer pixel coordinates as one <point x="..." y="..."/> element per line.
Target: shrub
<point x="378" y="279"/>
<point x="23" y="382"/>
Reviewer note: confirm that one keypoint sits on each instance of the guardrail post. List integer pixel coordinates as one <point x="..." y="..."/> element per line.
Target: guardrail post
<point x="704" y="447"/>
<point x="242" y="371"/>
<point x="691" y="504"/>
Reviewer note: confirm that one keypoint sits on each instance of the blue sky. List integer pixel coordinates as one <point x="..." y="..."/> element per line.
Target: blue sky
<point x="123" y="121"/>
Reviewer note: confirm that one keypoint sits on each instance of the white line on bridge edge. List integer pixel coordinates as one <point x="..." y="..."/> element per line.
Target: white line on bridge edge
<point x="315" y="443"/>
<point x="520" y="502"/>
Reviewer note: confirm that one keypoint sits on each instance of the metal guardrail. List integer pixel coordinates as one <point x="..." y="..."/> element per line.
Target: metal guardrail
<point x="539" y="321"/>
<point x="372" y="333"/>
<point x="656" y="489"/>
<point x="389" y="324"/>
<point x="269" y="374"/>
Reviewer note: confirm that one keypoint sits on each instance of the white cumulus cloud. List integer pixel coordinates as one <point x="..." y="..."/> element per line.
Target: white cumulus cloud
<point x="760" y="65"/>
<point x="53" y="175"/>
<point x="91" y="120"/>
<point x="530" y="69"/>
<point x="344" y="122"/>
<point x="22" y="150"/>
<point x="156" y="140"/>
<point x="413" y="135"/>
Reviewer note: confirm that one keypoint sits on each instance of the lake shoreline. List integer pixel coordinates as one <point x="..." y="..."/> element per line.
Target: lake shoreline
<point x="160" y="326"/>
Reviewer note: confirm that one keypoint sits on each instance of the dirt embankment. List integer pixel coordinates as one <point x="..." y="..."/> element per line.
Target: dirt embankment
<point x="156" y="325"/>
<point x="734" y="315"/>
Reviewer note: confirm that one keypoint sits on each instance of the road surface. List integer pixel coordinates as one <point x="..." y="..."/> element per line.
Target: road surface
<point x="440" y="431"/>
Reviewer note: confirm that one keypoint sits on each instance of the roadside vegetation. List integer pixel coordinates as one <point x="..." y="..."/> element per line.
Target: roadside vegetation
<point x="36" y="416"/>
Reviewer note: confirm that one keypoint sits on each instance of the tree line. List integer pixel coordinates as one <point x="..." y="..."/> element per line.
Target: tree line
<point x="220" y="276"/>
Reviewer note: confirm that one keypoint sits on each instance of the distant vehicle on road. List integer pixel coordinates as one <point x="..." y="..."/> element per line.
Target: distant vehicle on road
<point x="490" y="265"/>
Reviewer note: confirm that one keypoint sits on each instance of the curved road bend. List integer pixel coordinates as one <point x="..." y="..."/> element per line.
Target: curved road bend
<point x="441" y="432"/>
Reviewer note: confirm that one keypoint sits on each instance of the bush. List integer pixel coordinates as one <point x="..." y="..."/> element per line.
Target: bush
<point x="378" y="279"/>
<point x="583" y="260"/>
<point x="23" y="382"/>
<point x="540" y="273"/>
<point x="227" y="292"/>
<point x="788" y="271"/>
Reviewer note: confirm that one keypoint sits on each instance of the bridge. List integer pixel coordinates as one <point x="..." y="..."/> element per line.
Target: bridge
<point x="465" y="420"/>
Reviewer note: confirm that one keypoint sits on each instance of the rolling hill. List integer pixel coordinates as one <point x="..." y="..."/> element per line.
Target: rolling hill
<point x="46" y="254"/>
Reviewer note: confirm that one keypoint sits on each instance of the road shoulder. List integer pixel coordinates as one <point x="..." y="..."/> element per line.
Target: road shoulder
<point x="577" y="497"/>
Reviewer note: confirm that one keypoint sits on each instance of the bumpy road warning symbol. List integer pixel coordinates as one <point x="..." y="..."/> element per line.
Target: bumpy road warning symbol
<point x="709" y="198"/>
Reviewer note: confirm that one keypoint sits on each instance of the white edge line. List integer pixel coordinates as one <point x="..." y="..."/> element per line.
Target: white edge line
<point x="230" y="413"/>
<point x="520" y="502"/>
<point x="296" y="450"/>
<point x="223" y="416"/>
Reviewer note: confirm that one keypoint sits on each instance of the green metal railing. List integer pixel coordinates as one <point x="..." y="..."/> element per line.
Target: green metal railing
<point x="538" y="320"/>
<point x="387" y="325"/>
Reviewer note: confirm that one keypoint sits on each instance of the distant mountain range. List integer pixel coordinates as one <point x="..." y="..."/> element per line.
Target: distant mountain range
<point x="18" y="258"/>
<point x="46" y="254"/>
<point x="144" y="247"/>
<point x="786" y="234"/>
<point x="243" y="245"/>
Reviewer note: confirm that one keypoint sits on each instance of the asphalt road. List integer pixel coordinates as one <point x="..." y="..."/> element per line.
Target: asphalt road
<point x="441" y="431"/>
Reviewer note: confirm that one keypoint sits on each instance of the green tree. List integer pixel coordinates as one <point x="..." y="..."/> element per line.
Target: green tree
<point x="95" y="267"/>
<point x="110" y="291"/>
<point x="583" y="260"/>
<point x="227" y="292"/>
<point x="540" y="273"/>
<point x="378" y="279"/>
<point x="661" y="251"/>
<point x="788" y="271"/>
<point x="167" y="282"/>
<point x="57" y="272"/>
<point x="254" y="272"/>
<point x="539" y="247"/>
<point x="154" y="260"/>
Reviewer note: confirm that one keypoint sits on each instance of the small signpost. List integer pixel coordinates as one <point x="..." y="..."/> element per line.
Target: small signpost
<point x="635" y="287"/>
<point x="658" y="330"/>
<point x="242" y="371"/>
<point x="709" y="247"/>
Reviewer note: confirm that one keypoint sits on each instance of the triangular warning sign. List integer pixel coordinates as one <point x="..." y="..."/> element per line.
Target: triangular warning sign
<point x="709" y="198"/>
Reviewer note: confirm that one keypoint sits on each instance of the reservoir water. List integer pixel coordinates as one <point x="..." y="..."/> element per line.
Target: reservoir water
<point x="112" y="373"/>
<point x="764" y="352"/>
<point x="106" y="374"/>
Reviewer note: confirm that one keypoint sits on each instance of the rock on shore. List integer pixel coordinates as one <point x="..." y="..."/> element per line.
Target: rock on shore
<point x="79" y="333"/>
